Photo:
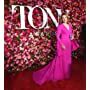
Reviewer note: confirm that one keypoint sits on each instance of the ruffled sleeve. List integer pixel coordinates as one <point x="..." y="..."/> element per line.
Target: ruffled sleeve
<point x="74" y="43"/>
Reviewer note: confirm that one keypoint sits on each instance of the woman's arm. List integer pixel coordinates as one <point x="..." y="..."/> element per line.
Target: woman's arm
<point x="72" y="35"/>
<point x="58" y="35"/>
<point x="74" y="43"/>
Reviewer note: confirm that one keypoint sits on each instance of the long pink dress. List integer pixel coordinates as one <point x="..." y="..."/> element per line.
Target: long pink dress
<point x="59" y="68"/>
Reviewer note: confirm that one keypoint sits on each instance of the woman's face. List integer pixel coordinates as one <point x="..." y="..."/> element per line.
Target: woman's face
<point x="64" y="18"/>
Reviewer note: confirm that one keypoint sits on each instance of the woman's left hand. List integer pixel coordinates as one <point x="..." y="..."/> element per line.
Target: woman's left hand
<point x="72" y="37"/>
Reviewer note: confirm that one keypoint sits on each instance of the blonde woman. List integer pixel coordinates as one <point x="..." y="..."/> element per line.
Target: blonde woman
<point x="60" y="67"/>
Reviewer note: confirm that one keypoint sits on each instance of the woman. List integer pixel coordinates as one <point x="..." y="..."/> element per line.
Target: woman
<point x="59" y="68"/>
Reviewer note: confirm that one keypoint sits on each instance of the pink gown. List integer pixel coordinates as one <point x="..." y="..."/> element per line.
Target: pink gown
<point x="59" y="68"/>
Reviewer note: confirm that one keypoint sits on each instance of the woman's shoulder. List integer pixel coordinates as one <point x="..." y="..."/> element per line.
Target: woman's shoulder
<point x="70" y="24"/>
<point x="60" y="25"/>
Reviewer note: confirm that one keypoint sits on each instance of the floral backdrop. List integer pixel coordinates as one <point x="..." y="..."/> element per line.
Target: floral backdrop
<point x="31" y="48"/>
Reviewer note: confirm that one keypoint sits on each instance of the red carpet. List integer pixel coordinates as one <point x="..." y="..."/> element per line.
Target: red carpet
<point x="23" y="80"/>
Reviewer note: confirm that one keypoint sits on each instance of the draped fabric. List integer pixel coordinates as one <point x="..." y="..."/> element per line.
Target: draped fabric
<point x="60" y="67"/>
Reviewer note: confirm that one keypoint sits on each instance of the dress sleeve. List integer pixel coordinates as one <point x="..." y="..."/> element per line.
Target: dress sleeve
<point x="71" y="34"/>
<point x="74" y="43"/>
<point x="59" y="34"/>
<point x="71" y="29"/>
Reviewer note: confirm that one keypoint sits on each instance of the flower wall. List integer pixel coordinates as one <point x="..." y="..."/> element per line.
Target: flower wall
<point x="25" y="48"/>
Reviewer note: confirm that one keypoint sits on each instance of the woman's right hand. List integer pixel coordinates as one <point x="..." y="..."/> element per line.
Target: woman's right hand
<point x="63" y="47"/>
<point x="72" y="37"/>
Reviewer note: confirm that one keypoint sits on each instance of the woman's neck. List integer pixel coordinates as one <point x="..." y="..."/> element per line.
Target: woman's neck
<point x="65" y="22"/>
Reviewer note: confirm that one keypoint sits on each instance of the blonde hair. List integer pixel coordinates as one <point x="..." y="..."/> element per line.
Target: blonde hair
<point x="68" y="17"/>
